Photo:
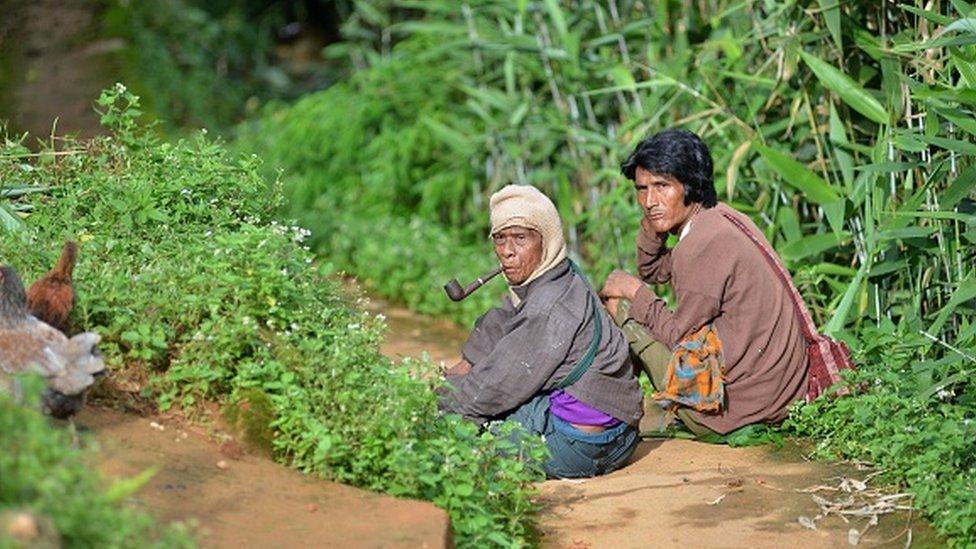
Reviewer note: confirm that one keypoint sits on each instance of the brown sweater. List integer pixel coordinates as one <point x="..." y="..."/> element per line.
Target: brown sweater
<point x="720" y="276"/>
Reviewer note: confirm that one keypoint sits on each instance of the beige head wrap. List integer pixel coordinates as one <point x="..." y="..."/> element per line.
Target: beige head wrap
<point x="526" y="206"/>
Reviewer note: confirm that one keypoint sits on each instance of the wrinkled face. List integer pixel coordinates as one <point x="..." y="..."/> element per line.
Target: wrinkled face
<point x="519" y="250"/>
<point x="662" y="197"/>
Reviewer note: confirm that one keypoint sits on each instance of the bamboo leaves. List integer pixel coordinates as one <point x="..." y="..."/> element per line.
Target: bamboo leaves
<point x="811" y="245"/>
<point x="558" y="19"/>
<point x="798" y="175"/>
<point x="9" y="220"/>
<point x="810" y="184"/>
<point x="831" y="14"/>
<point x="849" y="91"/>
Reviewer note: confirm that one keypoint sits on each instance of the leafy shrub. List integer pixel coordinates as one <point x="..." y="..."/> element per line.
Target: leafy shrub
<point x="373" y="144"/>
<point x="41" y="472"/>
<point x="187" y="277"/>
<point x="906" y="422"/>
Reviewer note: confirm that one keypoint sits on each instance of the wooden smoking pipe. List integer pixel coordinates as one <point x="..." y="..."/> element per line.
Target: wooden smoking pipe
<point x="457" y="293"/>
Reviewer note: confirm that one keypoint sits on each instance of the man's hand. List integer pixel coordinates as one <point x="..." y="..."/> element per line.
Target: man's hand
<point x="619" y="285"/>
<point x="459" y="369"/>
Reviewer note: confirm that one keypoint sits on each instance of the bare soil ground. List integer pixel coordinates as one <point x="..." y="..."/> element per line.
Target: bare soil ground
<point x="686" y="493"/>
<point x="240" y="499"/>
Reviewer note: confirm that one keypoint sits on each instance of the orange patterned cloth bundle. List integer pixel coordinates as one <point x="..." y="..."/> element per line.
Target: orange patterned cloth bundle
<point x="695" y="375"/>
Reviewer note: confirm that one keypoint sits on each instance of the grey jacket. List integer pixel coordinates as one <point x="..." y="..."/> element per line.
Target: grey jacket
<point x="519" y="352"/>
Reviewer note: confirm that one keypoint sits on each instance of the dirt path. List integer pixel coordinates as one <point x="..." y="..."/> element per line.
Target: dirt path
<point x="681" y="493"/>
<point x="240" y="500"/>
<point x="54" y="64"/>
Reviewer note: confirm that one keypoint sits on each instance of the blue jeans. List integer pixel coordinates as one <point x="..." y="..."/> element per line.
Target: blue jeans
<point x="573" y="453"/>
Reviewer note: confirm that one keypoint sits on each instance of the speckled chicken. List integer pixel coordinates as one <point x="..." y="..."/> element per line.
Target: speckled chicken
<point x="51" y="298"/>
<point x="68" y="366"/>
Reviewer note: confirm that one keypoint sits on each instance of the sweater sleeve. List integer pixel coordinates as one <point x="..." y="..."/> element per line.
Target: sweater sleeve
<point x="488" y="330"/>
<point x="518" y="366"/>
<point x="698" y="297"/>
<point x="653" y="256"/>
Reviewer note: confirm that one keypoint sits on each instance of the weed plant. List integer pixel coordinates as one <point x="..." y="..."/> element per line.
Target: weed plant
<point x="187" y="276"/>
<point x="43" y="474"/>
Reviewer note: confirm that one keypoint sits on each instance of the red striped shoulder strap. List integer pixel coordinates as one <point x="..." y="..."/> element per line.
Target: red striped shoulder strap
<point x="806" y="322"/>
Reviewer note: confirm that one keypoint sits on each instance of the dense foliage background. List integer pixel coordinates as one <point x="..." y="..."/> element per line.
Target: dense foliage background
<point x="846" y="131"/>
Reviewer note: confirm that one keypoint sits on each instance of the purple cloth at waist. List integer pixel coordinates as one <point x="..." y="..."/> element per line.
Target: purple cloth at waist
<point x="567" y="408"/>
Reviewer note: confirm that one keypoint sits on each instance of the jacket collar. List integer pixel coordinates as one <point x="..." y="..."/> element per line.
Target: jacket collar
<point x="557" y="271"/>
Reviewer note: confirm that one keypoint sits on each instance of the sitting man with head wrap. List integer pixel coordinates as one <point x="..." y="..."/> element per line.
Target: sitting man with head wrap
<point x="549" y="358"/>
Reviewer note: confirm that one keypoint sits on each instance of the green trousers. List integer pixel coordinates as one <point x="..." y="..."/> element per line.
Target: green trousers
<point x="653" y="357"/>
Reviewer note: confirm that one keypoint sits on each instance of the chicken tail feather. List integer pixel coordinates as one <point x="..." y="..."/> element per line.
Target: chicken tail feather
<point x="66" y="263"/>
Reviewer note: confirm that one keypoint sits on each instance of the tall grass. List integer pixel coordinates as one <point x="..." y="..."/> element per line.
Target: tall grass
<point x="845" y="129"/>
<point x="851" y="149"/>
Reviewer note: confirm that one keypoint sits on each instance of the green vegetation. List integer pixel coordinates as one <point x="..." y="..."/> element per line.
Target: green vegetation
<point x="845" y="129"/>
<point x="210" y="63"/>
<point x="185" y="273"/>
<point x="41" y="473"/>
<point x="916" y="424"/>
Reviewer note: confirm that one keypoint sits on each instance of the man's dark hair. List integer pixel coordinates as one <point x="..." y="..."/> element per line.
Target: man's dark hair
<point x="680" y="154"/>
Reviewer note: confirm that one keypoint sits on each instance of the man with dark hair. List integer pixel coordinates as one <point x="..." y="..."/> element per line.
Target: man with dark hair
<point x="732" y="351"/>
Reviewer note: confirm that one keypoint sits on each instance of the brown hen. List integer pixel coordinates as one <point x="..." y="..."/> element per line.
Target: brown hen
<point x="51" y="298"/>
